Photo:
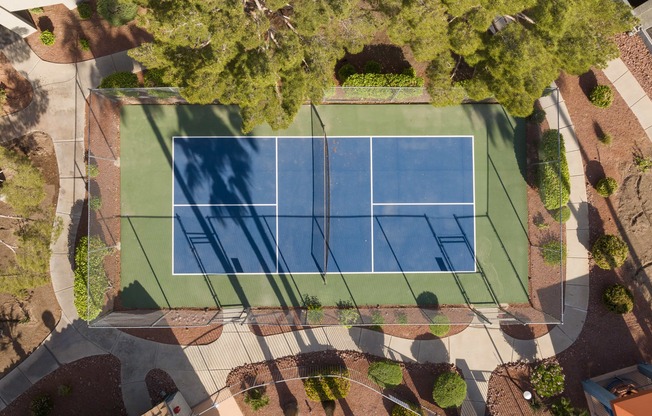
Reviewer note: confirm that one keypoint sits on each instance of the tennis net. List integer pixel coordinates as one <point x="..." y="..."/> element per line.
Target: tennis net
<point x="320" y="192"/>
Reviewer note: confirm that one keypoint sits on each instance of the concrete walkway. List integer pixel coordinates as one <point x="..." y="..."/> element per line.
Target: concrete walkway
<point x="199" y="371"/>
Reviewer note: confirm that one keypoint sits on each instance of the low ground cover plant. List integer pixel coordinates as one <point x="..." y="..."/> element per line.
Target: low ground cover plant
<point x="47" y="38"/>
<point x="84" y="45"/>
<point x="41" y="405"/>
<point x="386" y="374"/>
<point x="548" y="379"/>
<point x="328" y="385"/>
<point x="315" y="313"/>
<point x="605" y="138"/>
<point x="643" y="164"/>
<point x="440" y="325"/>
<point x="256" y="398"/>
<point x="90" y="281"/>
<point x="84" y="10"/>
<point x="553" y="173"/>
<point x="609" y="252"/>
<point x="449" y="390"/>
<point x="618" y="299"/>
<point x="120" y="80"/>
<point x="602" y="96"/>
<point x="606" y="187"/>
<point x="554" y="252"/>
<point x="347" y="314"/>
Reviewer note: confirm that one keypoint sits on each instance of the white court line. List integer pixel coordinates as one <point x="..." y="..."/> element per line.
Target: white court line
<point x="173" y="206"/>
<point x="475" y="263"/>
<point x="421" y="203"/>
<point x="371" y="178"/>
<point x="295" y="273"/>
<point x="224" y="205"/>
<point x="276" y="236"/>
<point x="419" y="136"/>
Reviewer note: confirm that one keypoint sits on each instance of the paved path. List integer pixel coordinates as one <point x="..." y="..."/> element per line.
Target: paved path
<point x="201" y="370"/>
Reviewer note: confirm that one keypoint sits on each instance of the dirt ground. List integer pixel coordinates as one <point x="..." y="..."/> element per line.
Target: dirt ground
<point x="17" y="87"/>
<point x="607" y="341"/>
<point x="418" y="380"/>
<point x="26" y="321"/>
<point x="94" y="384"/>
<point x="68" y="28"/>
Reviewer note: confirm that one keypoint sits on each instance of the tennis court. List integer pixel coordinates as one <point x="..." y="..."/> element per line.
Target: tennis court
<point x="316" y="204"/>
<point x="387" y="203"/>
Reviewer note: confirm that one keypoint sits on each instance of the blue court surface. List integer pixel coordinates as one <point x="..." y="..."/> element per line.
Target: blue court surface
<point x="267" y="205"/>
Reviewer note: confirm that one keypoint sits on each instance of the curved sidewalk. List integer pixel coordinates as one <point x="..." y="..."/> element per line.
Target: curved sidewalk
<point x="201" y="370"/>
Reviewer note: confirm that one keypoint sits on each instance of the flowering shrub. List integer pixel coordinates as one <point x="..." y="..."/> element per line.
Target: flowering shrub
<point x="548" y="379"/>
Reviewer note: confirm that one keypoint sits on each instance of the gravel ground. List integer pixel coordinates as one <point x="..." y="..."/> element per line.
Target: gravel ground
<point x="637" y="58"/>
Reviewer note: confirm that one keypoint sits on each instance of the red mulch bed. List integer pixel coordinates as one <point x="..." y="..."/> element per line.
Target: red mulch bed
<point x="179" y="336"/>
<point x="17" y="87"/>
<point x="608" y="341"/>
<point x="418" y="380"/>
<point x="159" y="385"/>
<point x="95" y="389"/>
<point x="68" y="28"/>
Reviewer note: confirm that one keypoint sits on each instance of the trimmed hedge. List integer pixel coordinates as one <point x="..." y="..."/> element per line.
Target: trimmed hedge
<point x="120" y="80"/>
<point x="562" y="214"/>
<point x="383" y="80"/>
<point x="117" y="12"/>
<point x="609" y="252"/>
<point x="440" y="325"/>
<point x="606" y="187"/>
<point x="327" y="385"/>
<point x="92" y="266"/>
<point x="602" y="96"/>
<point x="385" y="373"/>
<point x="399" y="410"/>
<point x="449" y="390"/>
<point x="553" y="171"/>
<point x="618" y="299"/>
<point x="548" y="379"/>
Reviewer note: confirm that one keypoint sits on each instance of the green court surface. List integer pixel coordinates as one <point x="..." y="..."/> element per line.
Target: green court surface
<point x="146" y="207"/>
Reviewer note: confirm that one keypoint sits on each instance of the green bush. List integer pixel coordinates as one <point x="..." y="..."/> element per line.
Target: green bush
<point x="643" y="164"/>
<point x="48" y="38"/>
<point x="3" y="96"/>
<point x="554" y="177"/>
<point x="548" y="379"/>
<point x="386" y="374"/>
<point x="315" y="311"/>
<point x="347" y="314"/>
<point x="84" y="10"/>
<point x="401" y="318"/>
<point x="606" y="187"/>
<point x="89" y="263"/>
<point x="383" y="80"/>
<point x="84" y="45"/>
<point x="563" y="407"/>
<point x="93" y="170"/>
<point x="602" y="96"/>
<point x="64" y="390"/>
<point x="551" y="251"/>
<point x="120" y="80"/>
<point x="618" y="299"/>
<point x="154" y="78"/>
<point x="95" y="203"/>
<point x="377" y="320"/>
<point x="346" y="71"/>
<point x="449" y="390"/>
<point x="327" y="385"/>
<point x="372" y="67"/>
<point x="609" y="252"/>
<point x="440" y="325"/>
<point x="256" y="398"/>
<point x="117" y="12"/>
<point x="562" y="214"/>
<point x="36" y="10"/>
<point x="399" y="410"/>
<point x="41" y="405"/>
<point x="537" y="116"/>
<point x="605" y="138"/>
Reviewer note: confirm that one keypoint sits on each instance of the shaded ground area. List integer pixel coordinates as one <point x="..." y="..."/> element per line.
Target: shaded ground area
<point x="17" y="87"/>
<point x="608" y="341"/>
<point x="159" y="385"/>
<point x="25" y="321"/>
<point x="68" y="28"/>
<point x="94" y="383"/>
<point x="179" y="336"/>
<point x="418" y="380"/>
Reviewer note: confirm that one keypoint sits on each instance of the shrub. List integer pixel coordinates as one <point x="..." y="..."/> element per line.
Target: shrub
<point x="539" y="221"/>
<point x="440" y="325"/>
<point x="256" y="398"/>
<point x="89" y="263"/>
<point x="346" y="71"/>
<point x="84" y="45"/>
<point x="3" y="96"/>
<point x="643" y="164"/>
<point x="383" y="80"/>
<point x="401" y="318"/>
<point x="537" y="116"/>
<point x="372" y="67"/>
<point x="449" y="390"/>
<point x="48" y="38"/>
<point x="605" y="138"/>
<point x="399" y="410"/>
<point x="315" y="311"/>
<point x="563" y="407"/>
<point x="120" y="80"/>
<point x="36" y="10"/>
<point x="606" y="187"/>
<point x="385" y="373"/>
<point x="64" y="390"/>
<point x="347" y="314"/>
<point x="548" y="379"/>
<point x="41" y="405"/>
<point x="602" y="96"/>
<point x="609" y="252"/>
<point x="554" y="177"/>
<point x="562" y="214"/>
<point x="117" y="12"/>
<point x="551" y="252"/>
<point x="84" y="10"/>
<point x="95" y="203"/>
<point x="327" y="385"/>
<point x="618" y="299"/>
<point x="377" y="320"/>
<point x="153" y="78"/>
<point x="93" y="170"/>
